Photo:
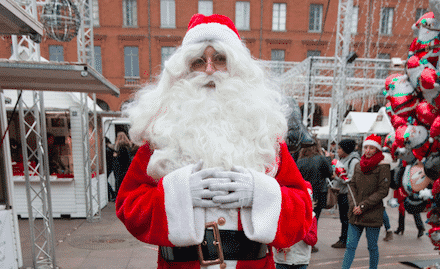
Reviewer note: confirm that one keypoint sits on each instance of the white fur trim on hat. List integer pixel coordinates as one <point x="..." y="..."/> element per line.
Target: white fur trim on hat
<point x="372" y="143"/>
<point x="211" y="31"/>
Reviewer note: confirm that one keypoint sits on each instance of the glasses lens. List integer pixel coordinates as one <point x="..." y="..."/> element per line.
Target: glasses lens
<point x="198" y="64"/>
<point x="219" y="60"/>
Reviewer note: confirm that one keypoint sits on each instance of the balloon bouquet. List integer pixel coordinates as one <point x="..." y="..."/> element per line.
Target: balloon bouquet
<point x="414" y="109"/>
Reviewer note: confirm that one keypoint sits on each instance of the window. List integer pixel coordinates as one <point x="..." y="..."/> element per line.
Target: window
<point x="354" y="20"/>
<point x="131" y="59"/>
<point x="419" y="13"/>
<point x="129" y="13"/>
<point x="386" y="20"/>
<point x="315" y="18"/>
<point x="205" y="7"/>
<point x="278" y="56"/>
<point x="98" y="59"/>
<point x="242" y="15"/>
<point x="95" y="13"/>
<point x="167" y="14"/>
<point x="56" y="53"/>
<point x="166" y="52"/>
<point x="311" y="53"/>
<point x="279" y="17"/>
<point x="383" y="68"/>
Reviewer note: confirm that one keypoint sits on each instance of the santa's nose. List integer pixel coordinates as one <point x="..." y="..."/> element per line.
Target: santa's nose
<point x="210" y="68"/>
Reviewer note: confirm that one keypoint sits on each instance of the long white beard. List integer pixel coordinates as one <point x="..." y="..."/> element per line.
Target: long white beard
<point x="226" y="126"/>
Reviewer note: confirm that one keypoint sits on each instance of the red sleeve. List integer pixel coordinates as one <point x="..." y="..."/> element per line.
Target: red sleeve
<point x="140" y="204"/>
<point x="296" y="206"/>
<point x="312" y="236"/>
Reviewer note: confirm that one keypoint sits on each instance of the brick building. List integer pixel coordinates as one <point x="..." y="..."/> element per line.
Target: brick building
<point x="133" y="38"/>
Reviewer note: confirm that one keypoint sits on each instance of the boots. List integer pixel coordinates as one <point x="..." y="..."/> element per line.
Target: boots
<point x="401" y="227"/>
<point x="388" y="236"/>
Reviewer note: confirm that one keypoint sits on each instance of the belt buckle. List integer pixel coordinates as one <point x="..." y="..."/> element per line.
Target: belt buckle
<point x="217" y="243"/>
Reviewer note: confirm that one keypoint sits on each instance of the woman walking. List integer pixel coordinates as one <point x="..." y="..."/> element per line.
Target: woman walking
<point x="121" y="160"/>
<point x="369" y="185"/>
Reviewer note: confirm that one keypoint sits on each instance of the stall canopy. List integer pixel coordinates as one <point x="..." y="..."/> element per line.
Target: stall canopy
<point x="358" y="123"/>
<point x="53" y="76"/>
<point x="14" y="20"/>
<point x="382" y="125"/>
<point x="52" y="100"/>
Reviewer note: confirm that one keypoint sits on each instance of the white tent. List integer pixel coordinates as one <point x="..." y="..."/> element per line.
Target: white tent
<point x="358" y="123"/>
<point x="382" y="125"/>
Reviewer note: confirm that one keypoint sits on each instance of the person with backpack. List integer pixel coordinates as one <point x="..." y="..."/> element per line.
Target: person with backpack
<point x="349" y="158"/>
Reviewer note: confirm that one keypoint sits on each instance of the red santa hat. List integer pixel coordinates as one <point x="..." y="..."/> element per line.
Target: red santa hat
<point x="215" y="27"/>
<point x="373" y="140"/>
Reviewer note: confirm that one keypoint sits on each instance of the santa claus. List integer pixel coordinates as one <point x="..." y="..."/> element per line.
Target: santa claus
<point x="213" y="183"/>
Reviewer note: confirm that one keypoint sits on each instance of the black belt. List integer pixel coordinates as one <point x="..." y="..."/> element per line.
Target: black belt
<point x="235" y="246"/>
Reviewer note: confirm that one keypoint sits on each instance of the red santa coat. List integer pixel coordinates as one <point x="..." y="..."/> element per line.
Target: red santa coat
<point x="160" y="212"/>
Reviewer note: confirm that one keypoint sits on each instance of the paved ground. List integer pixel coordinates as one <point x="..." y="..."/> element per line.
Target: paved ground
<point x="107" y="244"/>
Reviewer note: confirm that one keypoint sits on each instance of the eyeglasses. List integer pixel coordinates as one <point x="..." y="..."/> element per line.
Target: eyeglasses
<point x="218" y="61"/>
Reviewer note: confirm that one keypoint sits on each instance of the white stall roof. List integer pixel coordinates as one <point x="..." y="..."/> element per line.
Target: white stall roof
<point x="321" y="132"/>
<point x="52" y="100"/>
<point x="382" y="125"/>
<point x="358" y="123"/>
<point x="14" y="20"/>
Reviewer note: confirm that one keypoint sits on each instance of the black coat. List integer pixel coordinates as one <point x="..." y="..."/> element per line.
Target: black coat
<point x="315" y="170"/>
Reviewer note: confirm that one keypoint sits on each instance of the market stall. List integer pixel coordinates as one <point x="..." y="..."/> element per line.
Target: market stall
<point x="382" y="125"/>
<point x="65" y="161"/>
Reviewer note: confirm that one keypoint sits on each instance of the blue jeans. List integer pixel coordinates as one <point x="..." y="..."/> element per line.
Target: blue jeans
<point x="354" y="234"/>
<point x="286" y="266"/>
<point x="386" y="221"/>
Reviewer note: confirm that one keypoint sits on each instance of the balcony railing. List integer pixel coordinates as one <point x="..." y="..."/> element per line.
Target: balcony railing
<point x="132" y="81"/>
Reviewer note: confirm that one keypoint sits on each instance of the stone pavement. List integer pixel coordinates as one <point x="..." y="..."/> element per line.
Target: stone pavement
<point x="107" y="244"/>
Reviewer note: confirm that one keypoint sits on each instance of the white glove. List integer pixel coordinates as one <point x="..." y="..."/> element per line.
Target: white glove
<point x="426" y="194"/>
<point x="393" y="202"/>
<point x="199" y="182"/>
<point x="239" y="191"/>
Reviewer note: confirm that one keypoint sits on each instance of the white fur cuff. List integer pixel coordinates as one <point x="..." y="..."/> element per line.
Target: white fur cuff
<point x="260" y="223"/>
<point x="185" y="224"/>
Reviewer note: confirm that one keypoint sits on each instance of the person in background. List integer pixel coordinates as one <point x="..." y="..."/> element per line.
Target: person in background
<point x="56" y="166"/>
<point x="16" y="153"/>
<point x="349" y="157"/>
<point x="370" y="184"/>
<point x="298" y="256"/>
<point x="388" y="159"/>
<point x="109" y="150"/>
<point x="315" y="168"/>
<point x="121" y="160"/>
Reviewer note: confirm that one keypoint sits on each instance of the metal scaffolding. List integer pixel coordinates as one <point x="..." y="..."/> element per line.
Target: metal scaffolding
<point x="342" y="47"/>
<point x="89" y="121"/>
<point x="35" y="157"/>
<point x="34" y="140"/>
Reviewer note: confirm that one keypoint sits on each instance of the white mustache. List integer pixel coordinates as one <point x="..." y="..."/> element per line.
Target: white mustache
<point x="201" y="78"/>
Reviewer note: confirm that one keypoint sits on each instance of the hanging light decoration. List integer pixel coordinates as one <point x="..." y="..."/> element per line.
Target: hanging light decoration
<point x="61" y="20"/>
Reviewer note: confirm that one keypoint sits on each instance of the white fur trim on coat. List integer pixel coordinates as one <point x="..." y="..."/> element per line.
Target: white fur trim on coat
<point x="211" y="31"/>
<point x="260" y="223"/>
<point x="186" y="225"/>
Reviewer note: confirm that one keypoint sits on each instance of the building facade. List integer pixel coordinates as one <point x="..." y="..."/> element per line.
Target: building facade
<point x="133" y="38"/>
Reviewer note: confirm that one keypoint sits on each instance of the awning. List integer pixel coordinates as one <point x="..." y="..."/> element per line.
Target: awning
<point x="14" y="20"/>
<point x="53" y="76"/>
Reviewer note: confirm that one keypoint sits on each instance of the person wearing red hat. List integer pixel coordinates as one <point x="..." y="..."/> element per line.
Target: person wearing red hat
<point x="369" y="185"/>
<point x="213" y="183"/>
